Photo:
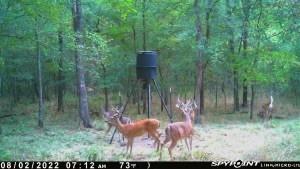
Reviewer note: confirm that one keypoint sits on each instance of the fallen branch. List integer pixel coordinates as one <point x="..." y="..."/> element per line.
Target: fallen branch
<point x="9" y="115"/>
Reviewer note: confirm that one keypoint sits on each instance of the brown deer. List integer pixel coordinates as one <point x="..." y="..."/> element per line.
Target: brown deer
<point x="107" y="115"/>
<point x="266" y="110"/>
<point x="181" y="130"/>
<point x="136" y="129"/>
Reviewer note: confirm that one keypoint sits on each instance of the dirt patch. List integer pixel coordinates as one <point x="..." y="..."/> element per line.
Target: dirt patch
<point x="231" y="142"/>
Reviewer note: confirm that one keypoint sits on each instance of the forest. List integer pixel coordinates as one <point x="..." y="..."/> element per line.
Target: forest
<point x="228" y="73"/>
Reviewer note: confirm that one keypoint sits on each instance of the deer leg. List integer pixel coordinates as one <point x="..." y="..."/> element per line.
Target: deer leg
<point x="191" y="145"/>
<point x="186" y="143"/>
<point x="131" y="143"/>
<point x="173" y="144"/>
<point x="155" y="137"/>
<point x="128" y="143"/>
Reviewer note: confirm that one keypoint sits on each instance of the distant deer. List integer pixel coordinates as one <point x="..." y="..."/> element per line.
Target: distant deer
<point x="266" y="110"/>
<point x="107" y="115"/>
<point x="181" y="130"/>
<point x="136" y="129"/>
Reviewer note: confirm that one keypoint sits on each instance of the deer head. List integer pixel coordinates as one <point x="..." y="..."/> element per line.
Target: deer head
<point x="114" y="119"/>
<point x="187" y="108"/>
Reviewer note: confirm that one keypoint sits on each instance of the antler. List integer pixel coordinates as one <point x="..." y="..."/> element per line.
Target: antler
<point x="178" y="100"/>
<point x="195" y="105"/>
<point x="115" y="109"/>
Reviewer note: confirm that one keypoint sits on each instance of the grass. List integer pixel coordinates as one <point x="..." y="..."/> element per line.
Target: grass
<point x="229" y="136"/>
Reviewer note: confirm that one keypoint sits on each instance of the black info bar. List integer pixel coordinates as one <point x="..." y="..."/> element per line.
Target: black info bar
<point x="145" y="164"/>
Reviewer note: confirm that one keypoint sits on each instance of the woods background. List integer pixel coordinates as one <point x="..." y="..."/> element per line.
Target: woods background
<point x="61" y="57"/>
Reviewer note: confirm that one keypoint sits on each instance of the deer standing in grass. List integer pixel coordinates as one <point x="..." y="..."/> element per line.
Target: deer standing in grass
<point x="266" y="110"/>
<point x="136" y="129"/>
<point x="107" y="115"/>
<point x="181" y="130"/>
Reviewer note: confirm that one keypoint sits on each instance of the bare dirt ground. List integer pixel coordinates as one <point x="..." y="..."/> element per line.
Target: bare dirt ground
<point x="230" y="142"/>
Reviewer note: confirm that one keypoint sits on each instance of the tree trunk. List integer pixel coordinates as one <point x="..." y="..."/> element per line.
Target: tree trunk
<point x="216" y="95"/>
<point x="161" y="100"/>
<point x="106" y="98"/>
<point x="81" y="88"/>
<point x="144" y="25"/>
<point x="229" y="9"/>
<point x="235" y="91"/>
<point x="224" y="95"/>
<point x="144" y="98"/>
<point x="252" y="101"/>
<point x="245" y="94"/>
<point x="144" y="91"/>
<point x="134" y="39"/>
<point x="246" y="10"/>
<point x="200" y="64"/>
<point x="39" y="72"/>
<point x="61" y="85"/>
<point x="138" y="100"/>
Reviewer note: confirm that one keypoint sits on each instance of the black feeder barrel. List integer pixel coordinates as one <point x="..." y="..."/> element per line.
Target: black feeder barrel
<point x="146" y="65"/>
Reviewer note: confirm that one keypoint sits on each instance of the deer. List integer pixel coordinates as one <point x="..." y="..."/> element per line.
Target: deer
<point x="181" y="130"/>
<point x="266" y="110"/>
<point x="107" y="115"/>
<point x="137" y="129"/>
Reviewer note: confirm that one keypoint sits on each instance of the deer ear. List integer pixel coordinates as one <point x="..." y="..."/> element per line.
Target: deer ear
<point x="121" y="109"/>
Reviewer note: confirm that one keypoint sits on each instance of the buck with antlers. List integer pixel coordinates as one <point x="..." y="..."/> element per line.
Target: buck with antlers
<point x="136" y="129"/>
<point x="181" y="130"/>
<point x="107" y="115"/>
<point x="266" y="110"/>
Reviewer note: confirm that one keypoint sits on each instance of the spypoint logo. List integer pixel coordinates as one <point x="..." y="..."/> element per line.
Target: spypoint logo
<point x="236" y="164"/>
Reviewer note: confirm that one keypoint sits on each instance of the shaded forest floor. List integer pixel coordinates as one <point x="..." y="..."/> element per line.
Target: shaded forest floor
<point x="222" y="136"/>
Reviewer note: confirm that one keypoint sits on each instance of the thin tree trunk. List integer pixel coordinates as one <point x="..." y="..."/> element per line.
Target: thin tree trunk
<point x="144" y="91"/>
<point x="106" y="100"/>
<point x="224" y="95"/>
<point x="229" y="8"/>
<point x="61" y="85"/>
<point x="138" y="100"/>
<point x="39" y="72"/>
<point x="255" y="59"/>
<point x="216" y="95"/>
<point x="144" y="25"/>
<point x="245" y="94"/>
<point x="161" y="100"/>
<point x="144" y="98"/>
<point x="235" y="91"/>
<point x="246" y="10"/>
<point x="200" y="64"/>
<point x="252" y="101"/>
<point x="134" y="39"/>
<point x="81" y="88"/>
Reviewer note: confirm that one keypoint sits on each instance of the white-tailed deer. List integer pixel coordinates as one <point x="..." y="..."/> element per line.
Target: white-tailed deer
<point x="136" y="129"/>
<point x="107" y="115"/>
<point x="266" y="110"/>
<point x="181" y="130"/>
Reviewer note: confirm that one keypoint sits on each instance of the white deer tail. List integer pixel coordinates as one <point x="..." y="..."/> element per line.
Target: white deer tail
<point x="271" y="102"/>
